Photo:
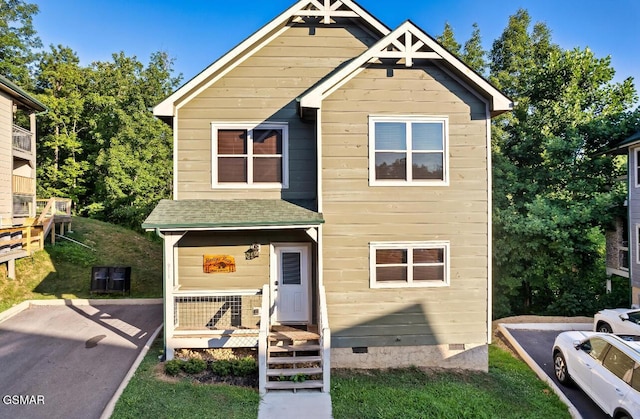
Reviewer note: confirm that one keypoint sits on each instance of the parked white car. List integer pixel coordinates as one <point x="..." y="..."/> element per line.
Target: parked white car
<point x="621" y="321"/>
<point x="605" y="366"/>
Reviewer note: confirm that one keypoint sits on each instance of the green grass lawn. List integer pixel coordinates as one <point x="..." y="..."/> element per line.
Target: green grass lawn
<point x="509" y="390"/>
<point x="64" y="270"/>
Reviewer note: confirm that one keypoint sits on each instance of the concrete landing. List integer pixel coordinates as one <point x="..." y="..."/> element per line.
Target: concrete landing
<point x="285" y="405"/>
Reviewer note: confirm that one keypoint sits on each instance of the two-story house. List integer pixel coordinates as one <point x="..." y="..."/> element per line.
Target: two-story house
<point x="17" y="169"/>
<point x="332" y="200"/>
<point x="623" y="241"/>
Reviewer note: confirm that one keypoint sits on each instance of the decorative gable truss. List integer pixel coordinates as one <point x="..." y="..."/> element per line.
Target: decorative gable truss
<point x="405" y="45"/>
<point x="327" y="10"/>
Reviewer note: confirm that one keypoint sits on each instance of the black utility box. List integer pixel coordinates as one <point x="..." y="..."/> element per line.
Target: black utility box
<point x="111" y="279"/>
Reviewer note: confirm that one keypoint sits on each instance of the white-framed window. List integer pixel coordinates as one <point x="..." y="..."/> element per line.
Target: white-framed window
<point x="637" y="241"/>
<point x="408" y="150"/>
<point x="636" y="166"/>
<point x="409" y="264"/>
<point x="250" y="155"/>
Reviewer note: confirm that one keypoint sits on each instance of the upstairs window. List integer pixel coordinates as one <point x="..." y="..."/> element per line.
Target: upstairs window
<point x="245" y="156"/>
<point x="407" y="151"/>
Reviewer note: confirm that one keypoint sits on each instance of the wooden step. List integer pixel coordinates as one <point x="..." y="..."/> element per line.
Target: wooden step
<point x="291" y="385"/>
<point x="287" y="372"/>
<point x="293" y="336"/>
<point x="294" y="348"/>
<point x="280" y="360"/>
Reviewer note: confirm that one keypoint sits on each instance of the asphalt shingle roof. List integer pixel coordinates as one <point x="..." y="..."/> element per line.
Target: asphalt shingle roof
<point x="205" y="213"/>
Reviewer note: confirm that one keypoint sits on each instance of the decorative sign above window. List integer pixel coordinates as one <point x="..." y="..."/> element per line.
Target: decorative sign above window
<point x="214" y="264"/>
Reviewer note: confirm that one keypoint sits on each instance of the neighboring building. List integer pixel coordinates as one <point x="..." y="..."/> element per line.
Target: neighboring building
<point x="17" y="169"/>
<point x="623" y="242"/>
<point x="332" y="200"/>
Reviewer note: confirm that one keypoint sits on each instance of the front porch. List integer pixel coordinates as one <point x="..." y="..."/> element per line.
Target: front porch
<point x="247" y="273"/>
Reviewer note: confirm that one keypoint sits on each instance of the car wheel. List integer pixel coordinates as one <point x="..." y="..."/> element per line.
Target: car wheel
<point x="604" y="327"/>
<point x="560" y="368"/>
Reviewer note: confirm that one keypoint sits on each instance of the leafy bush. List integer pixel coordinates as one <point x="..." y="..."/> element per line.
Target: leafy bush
<point x="237" y="367"/>
<point x="222" y="367"/>
<point x="194" y="366"/>
<point x="244" y="367"/>
<point x="173" y="367"/>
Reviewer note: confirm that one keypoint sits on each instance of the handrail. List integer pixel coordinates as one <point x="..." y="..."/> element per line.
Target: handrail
<point x="325" y="339"/>
<point x="45" y="211"/>
<point x="263" y="337"/>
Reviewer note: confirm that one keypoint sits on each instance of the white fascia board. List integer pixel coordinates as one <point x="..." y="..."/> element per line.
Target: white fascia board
<point x="499" y="101"/>
<point x="167" y="106"/>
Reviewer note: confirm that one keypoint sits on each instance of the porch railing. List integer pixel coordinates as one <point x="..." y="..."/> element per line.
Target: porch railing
<point x="217" y="311"/>
<point x="22" y="205"/>
<point x="325" y="339"/>
<point x="22" y="139"/>
<point x="23" y="185"/>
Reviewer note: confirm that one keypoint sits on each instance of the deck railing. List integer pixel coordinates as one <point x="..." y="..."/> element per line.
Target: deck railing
<point x="53" y="206"/>
<point x="23" y="185"/>
<point x="22" y="139"/>
<point x="22" y="205"/>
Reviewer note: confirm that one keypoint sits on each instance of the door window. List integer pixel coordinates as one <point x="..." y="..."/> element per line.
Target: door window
<point x="291" y="269"/>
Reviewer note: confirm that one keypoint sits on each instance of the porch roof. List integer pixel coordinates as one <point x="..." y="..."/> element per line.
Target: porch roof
<point x="207" y="214"/>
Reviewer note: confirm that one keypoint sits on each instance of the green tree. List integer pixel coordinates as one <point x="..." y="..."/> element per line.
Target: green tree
<point x="18" y="40"/>
<point x="448" y="40"/>
<point x="132" y="149"/>
<point x="473" y="54"/>
<point x="552" y="191"/>
<point x="61" y="85"/>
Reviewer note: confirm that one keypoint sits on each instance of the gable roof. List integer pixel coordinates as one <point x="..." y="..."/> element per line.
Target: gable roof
<point x="407" y="43"/>
<point x="324" y="9"/>
<point x="633" y="140"/>
<point x="20" y="95"/>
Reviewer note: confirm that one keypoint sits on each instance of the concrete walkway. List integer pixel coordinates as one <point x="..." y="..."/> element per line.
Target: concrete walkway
<point x="288" y="405"/>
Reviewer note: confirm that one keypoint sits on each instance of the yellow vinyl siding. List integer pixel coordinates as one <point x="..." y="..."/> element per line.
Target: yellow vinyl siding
<point x="264" y="88"/>
<point x="357" y="214"/>
<point x="249" y="274"/>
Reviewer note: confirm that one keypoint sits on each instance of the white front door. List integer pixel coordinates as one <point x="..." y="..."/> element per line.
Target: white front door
<point x="291" y="274"/>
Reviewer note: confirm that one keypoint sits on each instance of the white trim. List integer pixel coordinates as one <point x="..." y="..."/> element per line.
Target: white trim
<point x="636" y="165"/>
<point x="489" y="228"/>
<point x="636" y="244"/>
<point x="410" y="245"/>
<point x="250" y="127"/>
<point x="232" y="228"/>
<point x="408" y="119"/>
<point x="175" y="157"/>
<point x="314" y="97"/>
<point x="168" y="106"/>
<point x="319" y="152"/>
<point x="274" y="275"/>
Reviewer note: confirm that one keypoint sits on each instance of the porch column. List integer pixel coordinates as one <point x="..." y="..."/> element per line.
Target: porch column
<point x="170" y="257"/>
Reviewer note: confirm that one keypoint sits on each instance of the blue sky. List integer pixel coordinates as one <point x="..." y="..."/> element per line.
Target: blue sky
<point x="197" y="32"/>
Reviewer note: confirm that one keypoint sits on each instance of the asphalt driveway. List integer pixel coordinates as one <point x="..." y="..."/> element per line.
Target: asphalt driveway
<point x="538" y="345"/>
<point x="68" y="360"/>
